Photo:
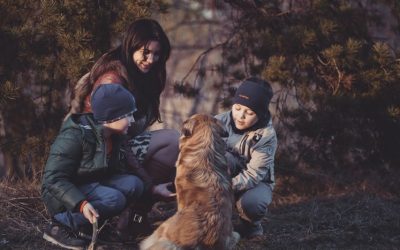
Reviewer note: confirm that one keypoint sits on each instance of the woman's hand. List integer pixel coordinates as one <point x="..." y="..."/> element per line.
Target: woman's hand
<point x="163" y="191"/>
<point x="90" y="213"/>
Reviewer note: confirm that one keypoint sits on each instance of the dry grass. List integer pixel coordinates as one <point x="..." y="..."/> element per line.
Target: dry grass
<point x="323" y="216"/>
<point x="357" y="221"/>
<point x="22" y="214"/>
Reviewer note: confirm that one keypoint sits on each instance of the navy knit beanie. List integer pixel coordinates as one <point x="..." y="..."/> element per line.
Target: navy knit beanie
<point x="111" y="102"/>
<point x="255" y="94"/>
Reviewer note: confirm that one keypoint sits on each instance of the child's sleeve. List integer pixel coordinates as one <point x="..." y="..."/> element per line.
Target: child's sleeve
<point x="260" y="165"/>
<point x="61" y="167"/>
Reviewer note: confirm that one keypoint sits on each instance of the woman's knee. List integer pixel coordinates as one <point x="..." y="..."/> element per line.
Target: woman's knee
<point x="164" y="146"/>
<point x="171" y="136"/>
<point x="164" y="138"/>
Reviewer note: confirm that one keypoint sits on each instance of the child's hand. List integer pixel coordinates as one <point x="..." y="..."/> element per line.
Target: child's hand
<point x="90" y="213"/>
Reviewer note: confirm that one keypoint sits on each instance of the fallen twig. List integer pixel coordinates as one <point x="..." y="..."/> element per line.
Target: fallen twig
<point x="95" y="233"/>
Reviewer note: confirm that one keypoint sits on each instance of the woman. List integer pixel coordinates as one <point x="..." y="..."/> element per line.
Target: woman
<point x="139" y="64"/>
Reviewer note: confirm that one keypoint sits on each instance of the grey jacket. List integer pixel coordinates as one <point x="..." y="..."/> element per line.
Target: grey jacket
<point x="252" y="153"/>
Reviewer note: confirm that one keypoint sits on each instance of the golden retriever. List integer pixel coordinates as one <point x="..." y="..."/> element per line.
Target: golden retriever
<point x="204" y="195"/>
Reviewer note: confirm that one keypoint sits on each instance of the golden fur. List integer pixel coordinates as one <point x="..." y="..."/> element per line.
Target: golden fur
<point x="204" y="194"/>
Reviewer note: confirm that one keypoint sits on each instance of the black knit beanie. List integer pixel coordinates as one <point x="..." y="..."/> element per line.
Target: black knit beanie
<point x="111" y="102"/>
<point x="255" y="94"/>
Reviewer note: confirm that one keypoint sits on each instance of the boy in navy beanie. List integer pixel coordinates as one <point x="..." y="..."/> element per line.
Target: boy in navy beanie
<point x="255" y="94"/>
<point x="251" y="150"/>
<point x="113" y="106"/>
<point x="86" y="178"/>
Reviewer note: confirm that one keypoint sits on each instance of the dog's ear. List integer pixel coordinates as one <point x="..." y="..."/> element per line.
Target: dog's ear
<point x="187" y="127"/>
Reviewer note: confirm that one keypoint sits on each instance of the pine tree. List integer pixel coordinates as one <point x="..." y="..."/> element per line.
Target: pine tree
<point x="337" y="100"/>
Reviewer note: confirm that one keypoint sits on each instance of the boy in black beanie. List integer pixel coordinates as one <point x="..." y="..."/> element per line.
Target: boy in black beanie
<point x="251" y="150"/>
<point x="86" y="178"/>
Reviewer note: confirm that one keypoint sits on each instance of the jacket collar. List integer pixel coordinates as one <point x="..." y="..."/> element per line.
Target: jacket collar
<point x="85" y="122"/>
<point x="261" y="123"/>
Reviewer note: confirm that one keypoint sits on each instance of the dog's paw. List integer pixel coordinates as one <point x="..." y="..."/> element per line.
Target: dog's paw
<point x="233" y="240"/>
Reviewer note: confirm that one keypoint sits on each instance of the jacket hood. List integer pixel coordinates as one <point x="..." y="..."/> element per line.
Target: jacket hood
<point x="86" y="123"/>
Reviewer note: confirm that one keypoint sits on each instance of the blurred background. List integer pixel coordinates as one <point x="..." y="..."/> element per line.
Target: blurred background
<point x="334" y="66"/>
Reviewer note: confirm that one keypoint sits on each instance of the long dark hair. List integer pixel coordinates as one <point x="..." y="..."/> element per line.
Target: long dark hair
<point x="146" y="87"/>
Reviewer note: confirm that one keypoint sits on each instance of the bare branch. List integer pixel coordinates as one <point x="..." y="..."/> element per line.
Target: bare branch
<point x="202" y="55"/>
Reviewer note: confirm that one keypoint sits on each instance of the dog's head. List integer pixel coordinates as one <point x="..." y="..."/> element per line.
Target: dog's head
<point x="202" y="147"/>
<point x="201" y="123"/>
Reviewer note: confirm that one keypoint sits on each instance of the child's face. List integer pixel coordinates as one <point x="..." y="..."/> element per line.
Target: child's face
<point x="243" y="117"/>
<point x="121" y="126"/>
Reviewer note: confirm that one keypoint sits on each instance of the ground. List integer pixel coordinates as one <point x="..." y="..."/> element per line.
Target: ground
<point x="355" y="219"/>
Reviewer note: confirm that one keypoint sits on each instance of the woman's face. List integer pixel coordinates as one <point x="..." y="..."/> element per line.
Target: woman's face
<point x="243" y="117"/>
<point x="146" y="56"/>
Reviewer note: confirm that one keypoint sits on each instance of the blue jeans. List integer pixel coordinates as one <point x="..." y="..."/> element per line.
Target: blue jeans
<point x="253" y="203"/>
<point x="108" y="197"/>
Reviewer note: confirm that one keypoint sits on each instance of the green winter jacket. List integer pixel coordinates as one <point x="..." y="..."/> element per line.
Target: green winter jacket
<point x="77" y="156"/>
